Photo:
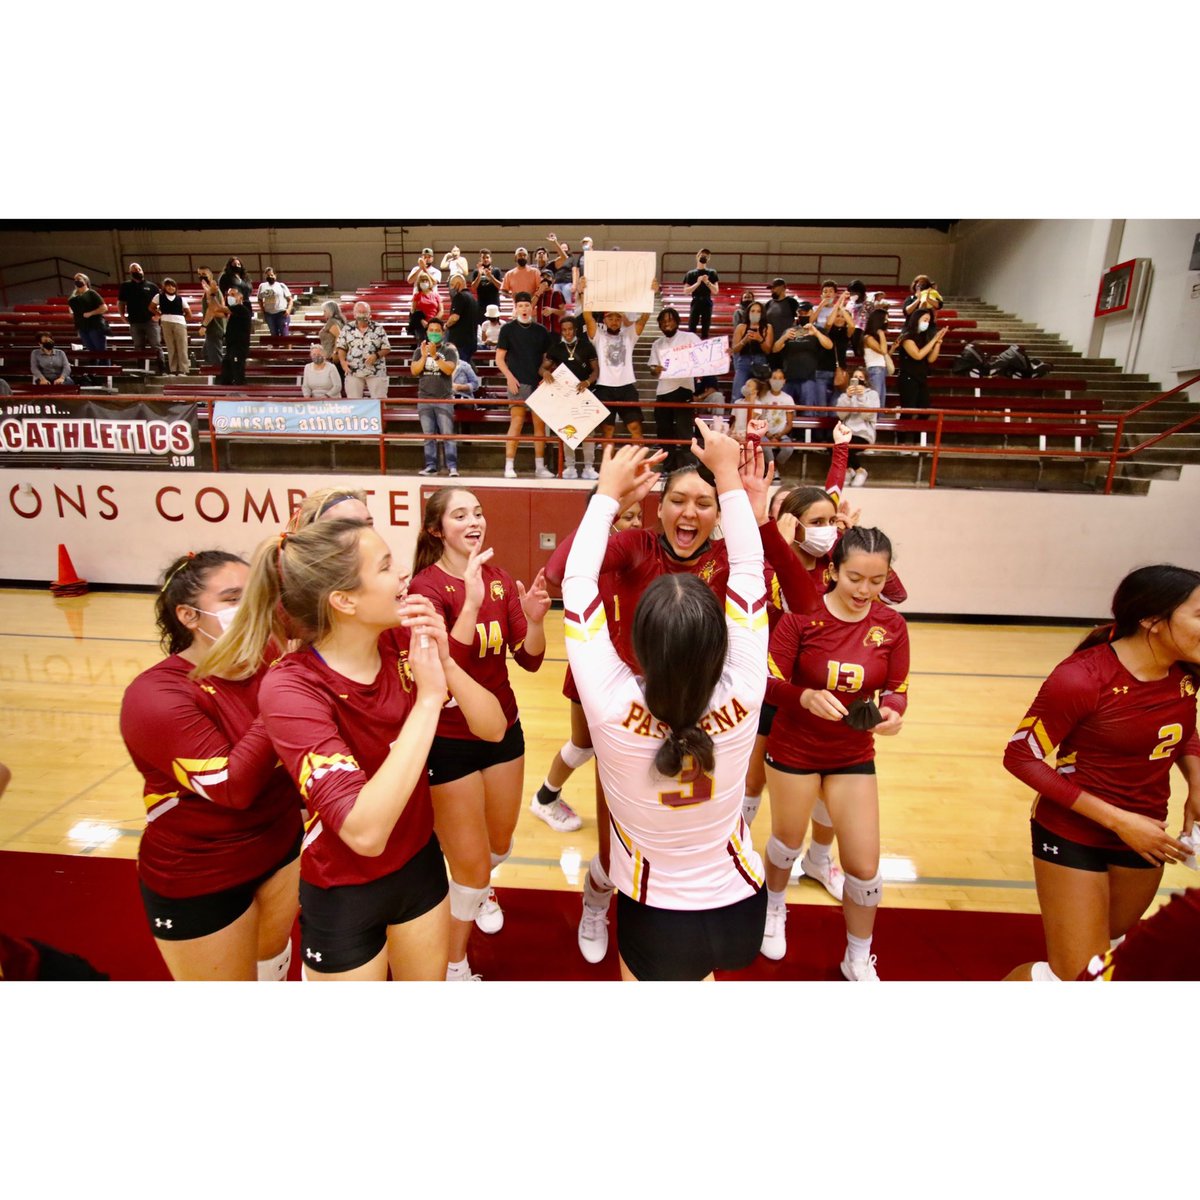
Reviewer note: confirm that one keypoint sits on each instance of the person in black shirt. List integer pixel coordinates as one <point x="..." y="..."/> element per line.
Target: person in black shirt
<point x="485" y="282"/>
<point x="780" y="314"/>
<point x="701" y="284"/>
<point x="920" y="342"/>
<point x="234" y="276"/>
<point x="88" y="309"/>
<point x="136" y="300"/>
<point x="576" y="352"/>
<point x="462" y="325"/>
<point x="237" y="337"/>
<point x="519" y="353"/>
<point x="800" y="350"/>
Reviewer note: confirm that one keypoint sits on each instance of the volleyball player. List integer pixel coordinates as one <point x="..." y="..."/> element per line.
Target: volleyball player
<point x="1121" y="710"/>
<point x="827" y="665"/>
<point x="547" y="803"/>
<point x="331" y="504"/>
<point x="352" y="714"/>
<point x="672" y="746"/>
<point x="218" y="861"/>
<point x="477" y="785"/>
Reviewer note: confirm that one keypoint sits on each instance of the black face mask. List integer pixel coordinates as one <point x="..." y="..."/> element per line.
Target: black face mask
<point x="137" y="276"/>
<point x="47" y="345"/>
<point x="704" y="260"/>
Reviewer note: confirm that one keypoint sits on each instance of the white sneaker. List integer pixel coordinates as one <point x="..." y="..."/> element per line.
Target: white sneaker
<point x="593" y="933"/>
<point x="570" y="472"/>
<point x="558" y="815"/>
<point x="774" y="943"/>
<point x="490" y="918"/>
<point x="589" y="473"/>
<point x="510" y="472"/>
<point x="859" y="970"/>
<point x="457" y="974"/>
<point x="828" y="875"/>
<point x="859" y="478"/>
<point x="542" y="472"/>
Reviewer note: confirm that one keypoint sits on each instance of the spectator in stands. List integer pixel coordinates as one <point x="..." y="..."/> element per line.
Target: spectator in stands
<point x="425" y="264"/>
<point x="464" y="381"/>
<point x="426" y="304"/>
<point x="331" y="330"/>
<point x="564" y="265"/>
<point x="752" y="342"/>
<point x="519" y="353"/>
<point x="212" y="319"/>
<point x="780" y="314"/>
<point x="136" y="300"/>
<point x="919" y="284"/>
<point x="677" y="392"/>
<point x="739" y="313"/>
<point x="275" y="302"/>
<point x="234" y="276"/>
<point x="919" y="344"/>
<point x="48" y="365"/>
<point x="485" y="282"/>
<point x="362" y="349"/>
<point x="543" y="306"/>
<point x="799" y="352"/>
<point x="455" y="262"/>
<point x="701" y="283"/>
<point x="522" y="277"/>
<point x="617" y="386"/>
<point x="576" y="291"/>
<point x="857" y="303"/>
<point x="875" y="354"/>
<point x="827" y="303"/>
<point x="840" y="330"/>
<point x="174" y="313"/>
<point x="489" y="330"/>
<point x="322" y="380"/>
<point x="238" y="320"/>
<point x="863" y="402"/>
<point x="578" y="355"/>
<point x="779" y="412"/>
<point x="88" y="309"/>
<point x="462" y="325"/>
<point x="434" y="364"/>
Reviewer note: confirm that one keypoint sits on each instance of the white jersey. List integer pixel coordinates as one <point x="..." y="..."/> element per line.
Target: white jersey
<point x="678" y="843"/>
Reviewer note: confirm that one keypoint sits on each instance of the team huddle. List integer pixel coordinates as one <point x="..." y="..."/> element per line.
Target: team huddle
<point x="334" y="732"/>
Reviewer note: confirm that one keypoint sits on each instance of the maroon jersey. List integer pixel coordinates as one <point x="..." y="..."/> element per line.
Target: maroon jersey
<point x="333" y="734"/>
<point x="220" y="811"/>
<point x="852" y="659"/>
<point x="1164" y="947"/>
<point x="1117" y="737"/>
<point x="500" y="628"/>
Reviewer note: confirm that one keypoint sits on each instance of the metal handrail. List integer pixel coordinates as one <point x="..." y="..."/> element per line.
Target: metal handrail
<point x="59" y="276"/>
<point x="796" y="275"/>
<point x="257" y="257"/>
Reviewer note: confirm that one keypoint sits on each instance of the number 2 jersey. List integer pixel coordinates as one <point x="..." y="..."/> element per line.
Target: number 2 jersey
<point x="853" y="660"/>
<point x="500" y="628"/>
<point x="677" y="843"/>
<point x="1117" y="737"/>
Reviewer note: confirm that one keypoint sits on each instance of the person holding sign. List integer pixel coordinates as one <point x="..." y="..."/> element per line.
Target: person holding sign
<point x="672" y="422"/>
<point x="618" y="381"/>
<point x="578" y="355"/>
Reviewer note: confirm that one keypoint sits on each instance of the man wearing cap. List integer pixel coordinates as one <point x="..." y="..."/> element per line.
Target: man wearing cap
<point x="485" y="282"/>
<point x="701" y="284"/>
<point x="136" y="299"/>
<point x="780" y="313"/>
<point x="463" y="322"/>
<point x="275" y="302"/>
<point x="425" y="263"/>
<point x="522" y="277"/>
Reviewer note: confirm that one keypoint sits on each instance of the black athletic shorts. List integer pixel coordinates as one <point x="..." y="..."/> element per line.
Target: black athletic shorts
<point x="620" y="412"/>
<point x="452" y="758"/>
<point x="344" y="927"/>
<point x="667" y="943"/>
<point x="863" y="768"/>
<point x="182" y="920"/>
<point x="1054" y="848"/>
<point x="766" y="718"/>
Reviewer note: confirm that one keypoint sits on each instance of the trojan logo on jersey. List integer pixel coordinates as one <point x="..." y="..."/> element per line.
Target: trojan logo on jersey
<point x="404" y="671"/>
<point x="876" y="636"/>
<point x="497" y="590"/>
<point x="567" y="431"/>
<point x="708" y="571"/>
<point x="1186" y="686"/>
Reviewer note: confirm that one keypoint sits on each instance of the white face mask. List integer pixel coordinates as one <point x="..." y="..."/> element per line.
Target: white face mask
<point x="223" y="617"/>
<point x="234" y="299"/>
<point x="923" y="324"/>
<point x="819" y="539"/>
<point x="777" y="385"/>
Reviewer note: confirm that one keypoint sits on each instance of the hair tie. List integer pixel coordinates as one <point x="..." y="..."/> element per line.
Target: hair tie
<point x="187" y="558"/>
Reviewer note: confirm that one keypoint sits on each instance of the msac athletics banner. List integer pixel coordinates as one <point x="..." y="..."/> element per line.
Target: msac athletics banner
<point x="131" y="435"/>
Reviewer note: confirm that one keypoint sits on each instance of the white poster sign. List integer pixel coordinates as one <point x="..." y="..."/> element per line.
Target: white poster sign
<point x="710" y="357"/>
<point x="619" y="281"/>
<point x="572" y="414"/>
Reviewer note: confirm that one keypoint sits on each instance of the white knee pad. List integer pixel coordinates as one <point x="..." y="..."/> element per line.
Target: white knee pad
<point x="867" y="892"/>
<point x="780" y="855"/>
<point x="275" y="970"/>
<point x="575" y="756"/>
<point x="466" y="902"/>
<point x="821" y="814"/>
<point x="1041" y="973"/>
<point x="497" y="859"/>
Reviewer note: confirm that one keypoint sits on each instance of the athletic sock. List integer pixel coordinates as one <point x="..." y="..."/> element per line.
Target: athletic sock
<point x="819" y="852"/>
<point x="776" y="899"/>
<point x="857" y="947"/>
<point x="597" y="887"/>
<point x="547" y="794"/>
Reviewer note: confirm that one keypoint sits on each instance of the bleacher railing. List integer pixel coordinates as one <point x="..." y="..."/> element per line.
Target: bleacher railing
<point x="794" y="267"/>
<point x="53" y="268"/>
<point x="306" y="265"/>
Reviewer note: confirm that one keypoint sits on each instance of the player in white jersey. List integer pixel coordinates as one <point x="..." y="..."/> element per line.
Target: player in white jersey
<point x="673" y="746"/>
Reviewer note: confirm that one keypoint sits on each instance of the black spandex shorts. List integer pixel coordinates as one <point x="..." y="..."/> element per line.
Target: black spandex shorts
<point x="174" y="920"/>
<point x="864" y="768"/>
<point x="1054" y="848"/>
<point x="452" y="758"/>
<point x="620" y="412"/>
<point x="344" y="927"/>
<point x="667" y="943"/>
<point x="766" y="718"/>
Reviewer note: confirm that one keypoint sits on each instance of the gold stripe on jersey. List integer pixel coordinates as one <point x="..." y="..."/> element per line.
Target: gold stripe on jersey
<point x="584" y="628"/>
<point x="314" y="767"/>
<point x="624" y="838"/>
<point x="312" y="831"/>
<point x="196" y="774"/>
<point x="776" y="593"/>
<point x="641" y="877"/>
<point x="772" y="668"/>
<point x="1065" y="763"/>
<point x="738" y="851"/>
<point x="1032" y="730"/>
<point x="899" y="689"/>
<point x="158" y="803"/>
<point x="748" y="616"/>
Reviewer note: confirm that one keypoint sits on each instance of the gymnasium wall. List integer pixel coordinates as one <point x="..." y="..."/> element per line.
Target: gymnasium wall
<point x="958" y="552"/>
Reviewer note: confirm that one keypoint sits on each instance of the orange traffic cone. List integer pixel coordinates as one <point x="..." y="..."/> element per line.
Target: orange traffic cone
<point x="67" y="583"/>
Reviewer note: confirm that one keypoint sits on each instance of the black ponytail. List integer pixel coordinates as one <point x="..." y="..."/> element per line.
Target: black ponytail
<point x="1147" y="594"/>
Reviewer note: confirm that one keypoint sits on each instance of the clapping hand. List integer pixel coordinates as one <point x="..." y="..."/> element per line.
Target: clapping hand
<point x="628" y="475"/>
<point x="535" y="603"/>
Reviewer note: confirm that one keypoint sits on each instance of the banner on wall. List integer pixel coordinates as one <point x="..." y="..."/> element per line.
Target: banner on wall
<point x="144" y="435"/>
<point x="122" y="529"/>
<point x="330" y="418"/>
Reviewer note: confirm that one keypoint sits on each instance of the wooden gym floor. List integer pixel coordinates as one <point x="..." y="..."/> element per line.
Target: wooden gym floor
<point x="955" y="828"/>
